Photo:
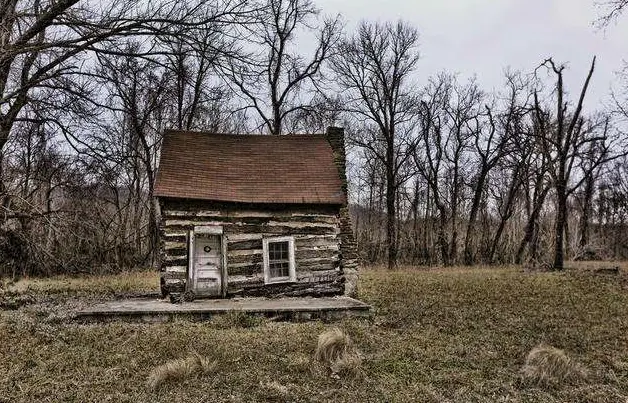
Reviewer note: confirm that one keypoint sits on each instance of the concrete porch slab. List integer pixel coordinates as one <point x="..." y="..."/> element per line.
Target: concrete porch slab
<point x="159" y="310"/>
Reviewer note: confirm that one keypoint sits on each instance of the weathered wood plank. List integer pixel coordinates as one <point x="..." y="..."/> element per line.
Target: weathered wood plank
<point x="172" y="258"/>
<point x="187" y="223"/>
<point x="249" y="258"/>
<point x="268" y="225"/>
<point x="243" y="237"/>
<point x="245" y="269"/>
<point x="188" y="213"/>
<point x="178" y="225"/>
<point x="316" y="276"/>
<point x="174" y="234"/>
<point x="309" y="255"/>
<point x="244" y="245"/>
<point x="318" y="266"/>
<point x="240" y="280"/>
<point x="173" y="276"/>
<point x="174" y="262"/>
<point x="175" y="269"/>
<point x="328" y="242"/>
<point x="175" y="248"/>
<point x="244" y="252"/>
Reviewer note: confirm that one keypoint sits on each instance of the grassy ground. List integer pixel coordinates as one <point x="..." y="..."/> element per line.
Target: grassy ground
<point x="450" y="335"/>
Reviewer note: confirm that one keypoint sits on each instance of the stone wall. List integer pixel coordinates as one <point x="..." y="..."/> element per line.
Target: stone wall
<point x="348" y="247"/>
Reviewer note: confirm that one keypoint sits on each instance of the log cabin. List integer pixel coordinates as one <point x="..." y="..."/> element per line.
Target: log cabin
<point x="254" y="215"/>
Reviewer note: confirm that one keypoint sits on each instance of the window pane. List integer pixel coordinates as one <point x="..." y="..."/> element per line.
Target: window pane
<point x="279" y="259"/>
<point x="278" y="250"/>
<point x="279" y="269"/>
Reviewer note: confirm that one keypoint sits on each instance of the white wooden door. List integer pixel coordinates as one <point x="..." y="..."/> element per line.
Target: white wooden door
<point x="207" y="262"/>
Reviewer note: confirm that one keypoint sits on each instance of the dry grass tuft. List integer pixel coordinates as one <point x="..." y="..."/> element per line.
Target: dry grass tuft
<point x="274" y="390"/>
<point x="179" y="370"/>
<point x="549" y="366"/>
<point x="336" y="350"/>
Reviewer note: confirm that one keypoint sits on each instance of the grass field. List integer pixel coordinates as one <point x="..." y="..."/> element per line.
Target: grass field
<point x="446" y="335"/>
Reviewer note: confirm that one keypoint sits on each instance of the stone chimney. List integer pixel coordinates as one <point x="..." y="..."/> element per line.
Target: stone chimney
<point x="336" y="138"/>
<point x="348" y="247"/>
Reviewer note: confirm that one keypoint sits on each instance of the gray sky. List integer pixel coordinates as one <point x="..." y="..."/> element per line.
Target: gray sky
<point x="483" y="37"/>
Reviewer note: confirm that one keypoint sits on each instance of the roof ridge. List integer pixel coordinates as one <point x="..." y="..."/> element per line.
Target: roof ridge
<point x="260" y="135"/>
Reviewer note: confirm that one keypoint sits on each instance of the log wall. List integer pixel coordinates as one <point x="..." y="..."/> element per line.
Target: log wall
<point x="316" y="231"/>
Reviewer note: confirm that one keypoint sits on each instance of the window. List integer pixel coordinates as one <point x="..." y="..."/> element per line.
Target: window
<point x="279" y="260"/>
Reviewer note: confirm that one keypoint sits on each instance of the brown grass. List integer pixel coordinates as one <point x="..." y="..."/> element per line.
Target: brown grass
<point x="336" y="350"/>
<point x="439" y="335"/>
<point x="180" y="370"/>
<point x="549" y="366"/>
<point x="133" y="282"/>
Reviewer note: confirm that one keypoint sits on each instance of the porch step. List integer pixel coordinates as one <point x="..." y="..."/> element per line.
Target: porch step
<point x="159" y="310"/>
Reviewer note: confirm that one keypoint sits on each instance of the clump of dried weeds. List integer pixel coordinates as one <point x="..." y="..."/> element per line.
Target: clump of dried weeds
<point x="336" y="350"/>
<point x="549" y="366"/>
<point x="180" y="369"/>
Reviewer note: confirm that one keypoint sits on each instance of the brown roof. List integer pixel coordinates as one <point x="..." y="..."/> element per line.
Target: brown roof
<point x="248" y="168"/>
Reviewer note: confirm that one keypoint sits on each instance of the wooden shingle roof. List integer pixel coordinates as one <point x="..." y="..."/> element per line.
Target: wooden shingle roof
<point x="248" y="168"/>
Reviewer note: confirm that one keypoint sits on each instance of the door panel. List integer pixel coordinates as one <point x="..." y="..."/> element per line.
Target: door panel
<point x="207" y="265"/>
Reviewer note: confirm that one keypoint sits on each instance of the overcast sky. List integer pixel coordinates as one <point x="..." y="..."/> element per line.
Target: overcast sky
<point x="483" y="37"/>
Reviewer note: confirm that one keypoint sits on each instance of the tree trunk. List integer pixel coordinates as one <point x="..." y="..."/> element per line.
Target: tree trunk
<point x="531" y="225"/>
<point x="586" y="210"/>
<point x="559" y="228"/>
<point x="391" y="212"/>
<point x="469" y="258"/>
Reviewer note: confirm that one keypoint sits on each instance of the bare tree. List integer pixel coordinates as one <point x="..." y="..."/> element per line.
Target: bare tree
<point x="44" y="43"/>
<point x="560" y="145"/>
<point x="272" y="77"/>
<point x="566" y="144"/>
<point x="611" y="9"/>
<point x="374" y="69"/>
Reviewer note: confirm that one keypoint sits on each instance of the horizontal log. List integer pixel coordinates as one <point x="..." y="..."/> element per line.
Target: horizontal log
<point x="317" y="276"/>
<point x="175" y="262"/>
<point x="244" y="213"/>
<point x="269" y="225"/>
<point x="175" y="237"/>
<point x="287" y="289"/>
<point x="179" y="223"/>
<point x="243" y="237"/>
<point x="252" y="218"/>
<point x="310" y="255"/>
<point x="329" y="242"/>
<point x="190" y="213"/>
<point x="175" y="245"/>
<point x="244" y="245"/>
<point x="173" y="276"/>
<point x="244" y="252"/>
<point x="240" y="280"/>
<point x="174" y="234"/>
<point x="249" y="258"/>
<point x="172" y="258"/>
<point x="318" y="266"/>
<point x="175" y="269"/>
<point x="278" y="230"/>
<point x="245" y="270"/>
<point x="312" y="241"/>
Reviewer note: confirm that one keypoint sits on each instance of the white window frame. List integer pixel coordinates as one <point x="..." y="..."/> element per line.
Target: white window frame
<point x="292" y="266"/>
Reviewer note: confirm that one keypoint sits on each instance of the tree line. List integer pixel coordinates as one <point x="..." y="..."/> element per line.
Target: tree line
<point x="442" y="173"/>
